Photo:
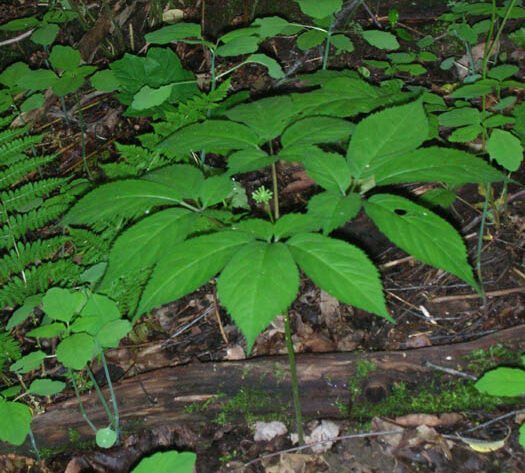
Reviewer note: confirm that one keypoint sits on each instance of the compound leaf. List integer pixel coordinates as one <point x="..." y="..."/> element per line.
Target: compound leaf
<point x="314" y="130"/>
<point x="333" y="210"/>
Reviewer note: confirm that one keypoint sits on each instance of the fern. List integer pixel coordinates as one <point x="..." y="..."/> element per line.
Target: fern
<point x="38" y="279"/>
<point x="14" y="200"/>
<point x="128" y="290"/>
<point x="29" y="253"/>
<point x="92" y="247"/>
<point x="135" y="161"/>
<point x="14" y="173"/>
<point x="9" y="349"/>
<point x="8" y="135"/>
<point x="17" y="146"/>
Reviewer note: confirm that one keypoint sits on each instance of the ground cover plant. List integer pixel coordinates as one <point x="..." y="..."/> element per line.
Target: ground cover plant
<point x="86" y="259"/>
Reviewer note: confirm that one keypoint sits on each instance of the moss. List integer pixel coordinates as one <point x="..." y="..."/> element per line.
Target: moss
<point x="483" y="360"/>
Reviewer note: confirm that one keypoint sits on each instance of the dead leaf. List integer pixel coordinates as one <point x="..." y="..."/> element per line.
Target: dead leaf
<point x="235" y="353"/>
<point x="302" y="182"/>
<point x="173" y="16"/>
<point x="318" y="343"/>
<point x="450" y="418"/>
<point x="415" y="420"/>
<point x="266" y="431"/>
<point x="391" y="441"/>
<point x="298" y="463"/>
<point x="418" y="341"/>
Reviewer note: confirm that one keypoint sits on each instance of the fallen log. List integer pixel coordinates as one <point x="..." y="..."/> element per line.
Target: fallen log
<point x="161" y="397"/>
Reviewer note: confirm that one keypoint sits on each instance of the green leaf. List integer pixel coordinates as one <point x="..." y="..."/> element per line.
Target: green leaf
<point x="110" y="334"/>
<point x="47" y="331"/>
<point x="187" y="266"/>
<point x="342" y="43"/>
<point x="76" y="350"/>
<point x="502" y="381"/>
<point x="46" y="387"/>
<point x="259" y="283"/>
<point x="238" y="46"/>
<point x="62" y="304"/>
<point x="317" y="9"/>
<point x="106" y="437"/>
<point x="310" y="39"/>
<point x="105" y="81"/>
<point x="39" y="79"/>
<point x="426" y="56"/>
<point x="412" y="69"/>
<point x="385" y="134"/>
<point x="380" y="39"/>
<point x="447" y="63"/>
<point x="68" y="84"/>
<point x="215" y="189"/>
<point x="518" y="37"/>
<point x="45" y="35"/>
<point x="333" y="210"/>
<point x="293" y="223"/>
<point x="401" y="58"/>
<point x="147" y="97"/>
<point x="20" y="24"/>
<point x="35" y="101"/>
<point x="102" y="307"/>
<point x="186" y="180"/>
<point x="177" y="32"/>
<point x="505" y="149"/>
<point x="13" y="73"/>
<point x="28" y="363"/>
<point x="329" y="170"/>
<point x="271" y="26"/>
<point x="212" y="135"/>
<point x="268" y="117"/>
<point x="274" y="69"/>
<point x="256" y="226"/>
<point x="314" y="130"/>
<point x="478" y="89"/>
<point x="143" y="244"/>
<point x="341" y="269"/>
<point x="65" y="58"/>
<point x="126" y="198"/>
<point x="465" y="134"/>
<point x="460" y="117"/>
<point x="167" y="462"/>
<point x="442" y="197"/>
<point x="15" y="421"/>
<point x="503" y="71"/>
<point x="453" y="166"/>
<point x="421" y="233"/>
<point x="247" y="160"/>
<point x="22" y="313"/>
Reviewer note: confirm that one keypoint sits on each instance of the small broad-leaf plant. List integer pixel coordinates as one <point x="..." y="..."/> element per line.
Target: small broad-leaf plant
<point x="185" y="240"/>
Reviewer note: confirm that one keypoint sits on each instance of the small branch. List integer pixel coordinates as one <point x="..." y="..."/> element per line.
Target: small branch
<point x="450" y="371"/>
<point x="18" y="38"/>
<point x="502" y="292"/>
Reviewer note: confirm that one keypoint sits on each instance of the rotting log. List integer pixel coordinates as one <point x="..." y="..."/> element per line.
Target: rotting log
<point x="159" y="398"/>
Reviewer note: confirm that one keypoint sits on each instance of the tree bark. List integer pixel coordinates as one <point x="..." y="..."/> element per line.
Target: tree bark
<point x="159" y="398"/>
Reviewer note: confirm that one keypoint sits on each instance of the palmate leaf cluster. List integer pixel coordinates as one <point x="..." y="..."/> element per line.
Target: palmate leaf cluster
<point x="178" y="228"/>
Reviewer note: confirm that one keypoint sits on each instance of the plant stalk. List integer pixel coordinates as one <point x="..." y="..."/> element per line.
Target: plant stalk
<point x="275" y="192"/>
<point x="295" y="385"/>
<point x="35" y="448"/>
<point x="100" y="395"/>
<point x="82" y="136"/>
<point x="80" y="403"/>
<point x="113" y="397"/>
<point x="327" y="45"/>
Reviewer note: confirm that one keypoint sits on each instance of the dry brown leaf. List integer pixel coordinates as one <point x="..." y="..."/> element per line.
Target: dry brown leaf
<point x="298" y="463"/>
<point x="415" y="420"/>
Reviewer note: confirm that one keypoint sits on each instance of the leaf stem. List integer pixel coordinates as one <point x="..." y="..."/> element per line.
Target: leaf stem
<point x="113" y="397"/>
<point x="82" y="136"/>
<point x="275" y="192"/>
<point x="295" y="385"/>
<point x="35" y="448"/>
<point x="327" y="45"/>
<point x="80" y="403"/>
<point x="100" y="395"/>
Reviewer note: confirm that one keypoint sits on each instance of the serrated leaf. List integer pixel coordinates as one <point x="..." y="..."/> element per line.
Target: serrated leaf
<point x="421" y="233"/>
<point x="442" y="197"/>
<point x="505" y="149"/>
<point x="186" y="180"/>
<point x="259" y="283"/>
<point x="65" y="58"/>
<point x="274" y="69"/>
<point x="310" y="39"/>
<point x="110" y="334"/>
<point x="214" y="190"/>
<point x="247" y="160"/>
<point x="147" y="97"/>
<point x="239" y="46"/>
<point x="460" y="117"/>
<point x="478" y="89"/>
<point x="22" y="313"/>
<point x="125" y="198"/>
<point x="45" y="35"/>
<point x="293" y="223"/>
<point x="177" y="32"/>
<point x="28" y="362"/>
<point x="329" y="170"/>
<point x="313" y="130"/>
<point x="187" y="266"/>
<point x="105" y="81"/>
<point x="212" y="135"/>
<point x="76" y="350"/>
<point x="317" y="9"/>
<point x="62" y="304"/>
<point x="502" y="381"/>
<point x="341" y="269"/>
<point x="270" y="26"/>
<point x="39" y="79"/>
<point x="46" y="387"/>
<point x="47" y="331"/>
<point x="68" y="84"/>
<point x="380" y="39"/>
<point x="453" y="166"/>
<point x="167" y="462"/>
<point x="20" y="24"/>
<point x="143" y="244"/>
<point x="384" y="134"/>
<point x="465" y="134"/>
<point x="256" y="226"/>
<point x="15" y="421"/>
<point x="342" y="43"/>
<point x="35" y="101"/>
<point x="333" y="210"/>
<point x="267" y="117"/>
<point x="503" y="71"/>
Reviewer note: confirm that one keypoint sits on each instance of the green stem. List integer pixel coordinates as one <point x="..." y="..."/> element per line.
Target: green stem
<point x="82" y="137"/>
<point x="80" y="403"/>
<point x="100" y="395"/>
<point x="327" y="45"/>
<point x="275" y="192"/>
<point x="35" y="448"/>
<point x="295" y="385"/>
<point x="112" y="393"/>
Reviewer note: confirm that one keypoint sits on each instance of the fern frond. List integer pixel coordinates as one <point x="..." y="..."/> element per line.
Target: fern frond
<point x="29" y="253"/>
<point x="10" y="134"/>
<point x="39" y="279"/>
<point x="4" y="121"/>
<point x="128" y="290"/>
<point x="13" y="200"/>
<point x="9" y="349"/>
<point x="17" y="146"/>
<point x="14" y="173"/>
<point x="93" y="247"/>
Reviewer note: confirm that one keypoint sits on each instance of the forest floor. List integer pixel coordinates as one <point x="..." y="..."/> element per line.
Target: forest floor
<point x="431" y="308"/>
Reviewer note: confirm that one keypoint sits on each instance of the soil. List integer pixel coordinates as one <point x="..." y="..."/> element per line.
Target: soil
<point x="432" y="308"/>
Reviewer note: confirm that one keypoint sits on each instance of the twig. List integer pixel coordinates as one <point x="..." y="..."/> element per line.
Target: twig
<point x="370" y="14"/>
<point x="391" y="264"/>
<point x="187" y="326"/>
<point x="450" y="371"/>
<point x="218" y="315"/>
<point x="502" y="292"/>
<point x="320" y="442"/>
<point x="491" y="421"/>
<point x="18" y="38"/>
